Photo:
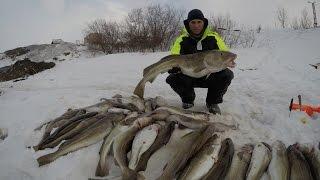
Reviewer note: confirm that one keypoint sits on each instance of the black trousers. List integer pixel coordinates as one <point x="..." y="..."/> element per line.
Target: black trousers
<point x="217" y="84"/>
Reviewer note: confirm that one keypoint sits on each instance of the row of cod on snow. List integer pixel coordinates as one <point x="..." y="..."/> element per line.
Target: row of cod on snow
<point x="147" y="139"/>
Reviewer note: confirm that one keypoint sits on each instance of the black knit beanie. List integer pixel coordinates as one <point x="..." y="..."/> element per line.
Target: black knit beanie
<point x="195" y="14"/>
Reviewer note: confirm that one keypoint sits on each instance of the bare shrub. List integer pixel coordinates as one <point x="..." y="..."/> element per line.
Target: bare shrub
<point x="247" y="38"/>
<point x="282" y="17"/>
<point x="305" y="20"/>
<point x="163" y="23"/>
<point x="233" y="36"/>
<point x="152" y="28"/>
<point x="103" y="35"/>
<point x="295" y="24"/>
<point x="135" y="31"/>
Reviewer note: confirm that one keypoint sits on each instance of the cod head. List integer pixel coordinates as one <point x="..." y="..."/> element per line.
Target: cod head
<point x="219" y="60"/>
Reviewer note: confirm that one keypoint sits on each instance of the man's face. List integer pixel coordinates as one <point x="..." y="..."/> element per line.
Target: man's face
<point x="196" y="26"/>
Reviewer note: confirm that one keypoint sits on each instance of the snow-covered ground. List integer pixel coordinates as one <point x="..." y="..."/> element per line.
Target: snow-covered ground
<point x="257" y="99"/>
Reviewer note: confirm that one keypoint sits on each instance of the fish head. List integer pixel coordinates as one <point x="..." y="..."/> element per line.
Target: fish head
<point x="216" y="59"/>
<point x="278" y="145"/>
<point x="248" y="148"/>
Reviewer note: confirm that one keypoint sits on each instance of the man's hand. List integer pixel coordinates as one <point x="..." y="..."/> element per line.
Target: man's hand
<point x="232" y="64"/>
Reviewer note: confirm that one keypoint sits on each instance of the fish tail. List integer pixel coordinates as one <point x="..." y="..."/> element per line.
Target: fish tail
<point x="128" y="174"/>
<point x="44" y="137"/>
<point x="140" y="176"/>
<point x="139" y="90"/>
<point x="36" y="148"/>
<point x="102" y="169"/>
<point x="46" y="159"/>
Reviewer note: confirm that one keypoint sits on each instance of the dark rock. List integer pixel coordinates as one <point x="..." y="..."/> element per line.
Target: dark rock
<point x="23" y="69"/>
<point x="66" y="53"/>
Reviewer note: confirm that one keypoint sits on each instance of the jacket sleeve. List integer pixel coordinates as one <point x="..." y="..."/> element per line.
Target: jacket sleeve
<point x="221" y="44"/>
<point x="175" y="49"/>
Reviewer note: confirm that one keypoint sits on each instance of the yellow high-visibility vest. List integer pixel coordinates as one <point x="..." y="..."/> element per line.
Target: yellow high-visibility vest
<point x="175" y="49"/>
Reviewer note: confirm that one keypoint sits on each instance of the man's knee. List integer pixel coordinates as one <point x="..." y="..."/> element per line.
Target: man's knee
<point x="224" y="75"/>
<point x="227" y="74"/>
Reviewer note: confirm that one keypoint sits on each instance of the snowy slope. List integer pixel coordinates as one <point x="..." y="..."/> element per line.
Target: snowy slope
<point x="257" y="100"/>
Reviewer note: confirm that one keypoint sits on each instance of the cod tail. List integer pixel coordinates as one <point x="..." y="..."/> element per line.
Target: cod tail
<point x="37" y="147"/>
<point x="128" y="174"/>
<point x="42" y="141"/>
<point x="140" y="176"/>
<point x="46" y="159"/>
<point x="102" y="169"/>
<point x="139" y="90"/>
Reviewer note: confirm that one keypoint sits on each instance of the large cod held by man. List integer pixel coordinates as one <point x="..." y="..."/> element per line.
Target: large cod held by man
<point x="195" y="65"/>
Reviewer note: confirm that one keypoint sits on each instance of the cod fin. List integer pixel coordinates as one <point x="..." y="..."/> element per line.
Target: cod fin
<point x="102" y="169"/>
<point x="139" y="90"/>
<point x="46" y="159"/>
<point x="198" y="69"/>
<point x="128" y="174"/>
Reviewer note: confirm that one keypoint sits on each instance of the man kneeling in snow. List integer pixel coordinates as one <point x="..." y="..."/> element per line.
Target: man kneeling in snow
<point x="197" y="37"/>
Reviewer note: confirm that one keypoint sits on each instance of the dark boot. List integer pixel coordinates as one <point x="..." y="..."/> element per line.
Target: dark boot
<point x="187" y="105"/>
<point x="214" y="109"/>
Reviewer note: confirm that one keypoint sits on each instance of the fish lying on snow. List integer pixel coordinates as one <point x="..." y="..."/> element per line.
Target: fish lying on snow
<point x="312" y="155"/>
<point x="141" y="142"/>
<point x="186" y="148"/>
<point x="67" y="131"/>
<point x="221" y="167"/>
<point x="122" y="144"/>
<point x="299" y="168"/>
<point x="279" y="166"/>
<point x="160" y="158"/>
<point x="261" y="157"/>
<point x="240" y="163"/>
<point x="70" y="115"/>
<point x="67" y="115"/>
<point x="203" y="116"/>
<point x="163" y="136"/>
<point x="197" y="124"/>
<point x="194" y="65"/>
<point x="60" y="125"/>
<point x="131" y="102"/>
<point x="102" y="167"/>
<point x="202" y="162"/>
<point x="89" y="136"/>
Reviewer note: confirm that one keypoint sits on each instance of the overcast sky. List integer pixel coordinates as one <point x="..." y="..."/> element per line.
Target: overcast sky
<point x="25" y="22"/>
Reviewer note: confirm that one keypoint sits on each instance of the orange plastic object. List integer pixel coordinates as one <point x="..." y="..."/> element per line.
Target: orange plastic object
<point x="306" y="108"/>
